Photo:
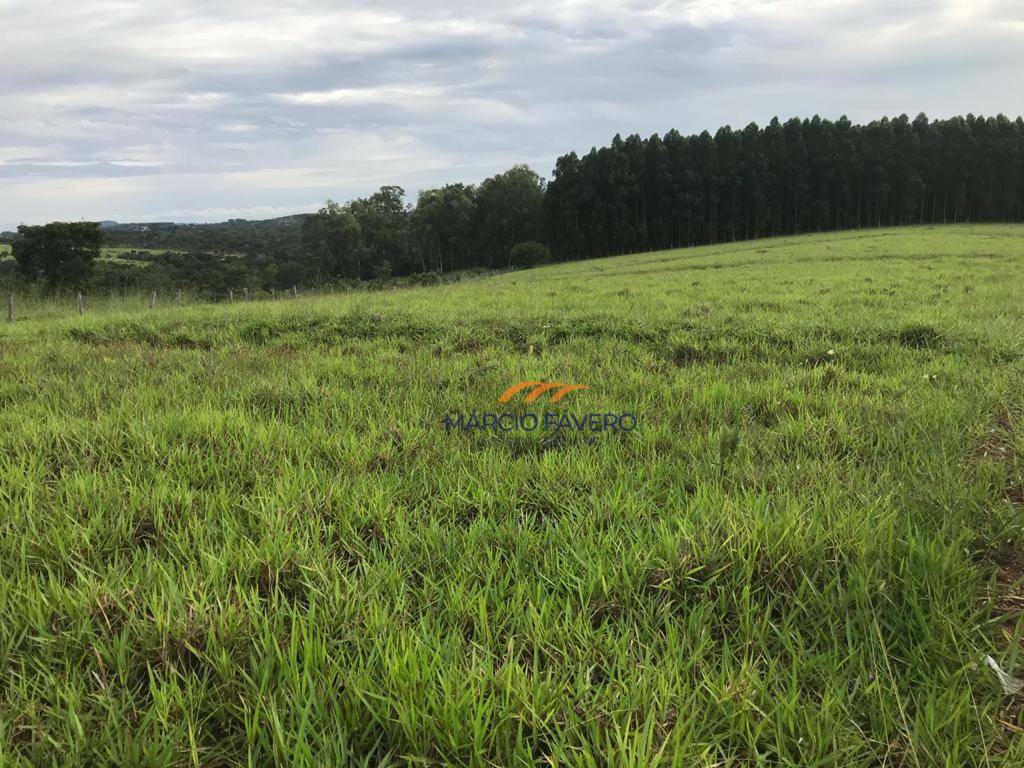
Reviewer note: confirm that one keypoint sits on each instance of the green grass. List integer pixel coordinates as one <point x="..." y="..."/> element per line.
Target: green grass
<point x="111" y="253"/>
<point x="240" y="535"/>
<point x="115" y="255"/>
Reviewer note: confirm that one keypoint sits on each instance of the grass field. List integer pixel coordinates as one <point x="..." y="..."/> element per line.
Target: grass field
<point x="242" y="535"/>
<point x="106" y="254"/>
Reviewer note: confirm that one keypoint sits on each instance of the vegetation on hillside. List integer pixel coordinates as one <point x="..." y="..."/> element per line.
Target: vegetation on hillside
<point x="242" y="536"/>
<point x="232" y="236"/>
<point x="636" y="194"/>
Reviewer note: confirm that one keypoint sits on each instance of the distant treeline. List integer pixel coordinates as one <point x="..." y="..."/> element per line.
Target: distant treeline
<point x="635" y="194"/>
<point x="232" y="236"/>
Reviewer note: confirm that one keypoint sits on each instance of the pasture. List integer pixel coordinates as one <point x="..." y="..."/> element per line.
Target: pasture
<point x="241" y="535"/>
<point x="106" y="253"/>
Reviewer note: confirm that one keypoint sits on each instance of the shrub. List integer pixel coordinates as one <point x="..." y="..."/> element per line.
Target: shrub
<point x="529" y="254"/>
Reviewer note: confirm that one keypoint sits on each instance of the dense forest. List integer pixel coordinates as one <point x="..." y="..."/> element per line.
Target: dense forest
<point x="635" y="194"/>
<point x="786" y="178"/>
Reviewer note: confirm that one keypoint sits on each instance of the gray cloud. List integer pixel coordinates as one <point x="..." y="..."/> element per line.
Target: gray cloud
<point x="197" y="111"/>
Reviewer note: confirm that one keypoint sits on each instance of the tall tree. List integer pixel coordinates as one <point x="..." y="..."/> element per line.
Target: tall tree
<point x="384" y="225"/>
<point x="509" y="211"/>
<point x="442" y="225"/>
<point x="333" y="239"/>
<point x="59" y="254"/>
<point x="562" y="208"/>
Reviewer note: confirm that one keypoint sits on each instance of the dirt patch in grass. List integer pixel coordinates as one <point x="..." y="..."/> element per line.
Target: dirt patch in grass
<point x="1006" y="594"/>
<point x="284" y="580"/>
<point x="144" y="533"/>
<point x="1014" y="494"/>
<point x="602" y="611"/>
<point x="1009" y="562"/>
<point x="995" y="444"/>
<point x="1006" y="559"/>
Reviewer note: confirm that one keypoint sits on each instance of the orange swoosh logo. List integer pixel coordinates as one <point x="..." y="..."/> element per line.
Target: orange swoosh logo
<point x="538" y="388"/>
<point x="566" y="390"/>
<point x="515" y="389"/>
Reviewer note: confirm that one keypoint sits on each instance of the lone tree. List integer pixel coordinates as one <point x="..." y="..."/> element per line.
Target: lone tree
<point x="61" y="254"/>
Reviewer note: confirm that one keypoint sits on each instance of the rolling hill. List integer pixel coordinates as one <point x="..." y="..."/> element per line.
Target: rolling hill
<point x="309" y="532"/>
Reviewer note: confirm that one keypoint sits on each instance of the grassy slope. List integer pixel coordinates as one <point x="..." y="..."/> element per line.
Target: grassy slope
<point x="241" y="532"/>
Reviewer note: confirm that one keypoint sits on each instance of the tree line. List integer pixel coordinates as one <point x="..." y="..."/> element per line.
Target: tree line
<point x="806" y="175"/>
<point x="633" y="195"/>
<point x="496" y="224"/>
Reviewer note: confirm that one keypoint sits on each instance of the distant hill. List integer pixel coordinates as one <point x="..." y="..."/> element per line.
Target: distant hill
<point x="252" y="237"/>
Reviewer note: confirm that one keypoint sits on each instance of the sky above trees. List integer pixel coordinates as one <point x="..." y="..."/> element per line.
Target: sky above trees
<point x="199" y="111"/>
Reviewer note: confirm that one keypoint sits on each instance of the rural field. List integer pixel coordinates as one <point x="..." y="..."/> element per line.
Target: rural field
<point x="242" y="535"/>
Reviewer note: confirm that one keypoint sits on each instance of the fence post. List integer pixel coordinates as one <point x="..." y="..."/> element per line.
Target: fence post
<point x="10" y="307"/>
<point x="152" y="300"/>
<point x="273" y="294"/>
<point x="81" y="305"/>
<point x="245" y="293"/>
<point x="177" y="298"/>
<point x="295" y="292"/>
<point x="231" y="295"/>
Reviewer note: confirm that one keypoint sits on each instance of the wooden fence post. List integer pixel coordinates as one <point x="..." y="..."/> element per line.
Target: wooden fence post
<point x="295" y="292"/>
<point x="231" y="295"/>
<point x="10" y="308"/>
<point x="273" y="294"/>
<point x="81" y="304"/>
<point x="245" y="293"/>
<point x="152" y="300"/>
<point x="177" y="298"/>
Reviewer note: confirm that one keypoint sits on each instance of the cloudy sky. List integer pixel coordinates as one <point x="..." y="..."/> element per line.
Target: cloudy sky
<point x="195" y="110"/>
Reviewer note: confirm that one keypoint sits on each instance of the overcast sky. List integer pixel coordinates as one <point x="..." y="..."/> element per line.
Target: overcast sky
<point x="194" y="110"/>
